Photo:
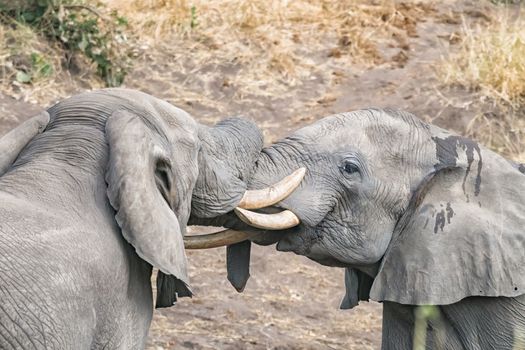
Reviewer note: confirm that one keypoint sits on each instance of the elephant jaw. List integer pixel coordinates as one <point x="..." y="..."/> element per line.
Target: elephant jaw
<point x="254" y="199"/>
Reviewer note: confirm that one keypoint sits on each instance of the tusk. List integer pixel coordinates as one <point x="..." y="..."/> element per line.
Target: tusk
<point x="214" y="240"/>
<point x="256" y="199"/>
<point x="279" y="221"/>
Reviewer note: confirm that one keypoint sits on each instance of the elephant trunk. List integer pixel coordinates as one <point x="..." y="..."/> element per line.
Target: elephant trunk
<point x="226" y="161"/>
<point x="271" y="166"/>
<point x="251" y="199"/>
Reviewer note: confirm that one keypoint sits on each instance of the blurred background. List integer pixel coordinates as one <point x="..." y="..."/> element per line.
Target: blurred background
<point x="284" y="64"/>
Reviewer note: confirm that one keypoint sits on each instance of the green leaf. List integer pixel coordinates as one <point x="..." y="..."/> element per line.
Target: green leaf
<point x="28" y="17"/>
<point x="46" y="70"/>
<point x="23" y="77"/>
<point x="193" y="22"/>
<point x="122" y="21"/>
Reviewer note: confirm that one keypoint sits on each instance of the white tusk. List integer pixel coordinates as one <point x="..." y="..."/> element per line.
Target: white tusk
<point x="214" y="240"/>
<point x="279" y="221"/>
<point x="256" y="199"/>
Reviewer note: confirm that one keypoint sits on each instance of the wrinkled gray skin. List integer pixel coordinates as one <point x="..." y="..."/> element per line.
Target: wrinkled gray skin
<point x="90" y="201"/>
<point x="417" y="216"/>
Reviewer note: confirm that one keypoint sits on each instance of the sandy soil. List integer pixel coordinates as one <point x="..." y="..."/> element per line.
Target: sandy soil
<point x="291" y="302"/>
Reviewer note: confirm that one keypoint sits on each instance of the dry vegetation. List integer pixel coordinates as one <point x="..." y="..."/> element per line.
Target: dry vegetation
<point x="490" y="62"/>
<point x="24" y="51"/>
<point x="285" y="48"/>
<point x="273" y="46"/>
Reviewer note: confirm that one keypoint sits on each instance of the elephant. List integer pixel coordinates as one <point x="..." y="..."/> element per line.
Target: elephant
<point x="94" y="193"/>
<point x="417" y="215"/>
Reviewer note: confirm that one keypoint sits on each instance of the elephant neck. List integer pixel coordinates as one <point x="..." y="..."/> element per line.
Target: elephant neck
<point x="63" y="167"/>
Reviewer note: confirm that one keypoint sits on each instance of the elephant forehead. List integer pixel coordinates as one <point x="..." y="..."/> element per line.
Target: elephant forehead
<point x="176" y="118"/>
<point x="332" y="126"/>
<point x="328" y="135"/>
<point x="393" y="144"/>
<point x="151" y="108"/>
<point x="377" y="126"/>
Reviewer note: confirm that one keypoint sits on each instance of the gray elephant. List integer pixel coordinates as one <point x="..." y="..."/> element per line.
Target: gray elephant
<point x="417" y="216"/>
<point x="93" y="193"/>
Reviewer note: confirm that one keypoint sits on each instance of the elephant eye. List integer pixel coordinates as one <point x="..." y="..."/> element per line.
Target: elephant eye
<point x="350" y="168"/>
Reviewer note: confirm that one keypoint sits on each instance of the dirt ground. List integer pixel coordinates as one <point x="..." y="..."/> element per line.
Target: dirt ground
<point x="291" y="302"/>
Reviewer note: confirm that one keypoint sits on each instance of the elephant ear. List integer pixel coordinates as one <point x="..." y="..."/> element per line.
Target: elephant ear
<point x="140" y="179"/>
<point x="463" y="234"/>
<point x="14" y="141"/>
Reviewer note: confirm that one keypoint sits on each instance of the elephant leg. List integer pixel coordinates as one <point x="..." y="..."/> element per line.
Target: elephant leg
<point x="474" y="323"/>
<point x="398" y="324"/>
<point x="15" y="140"/>
<point x="489" y="322"/>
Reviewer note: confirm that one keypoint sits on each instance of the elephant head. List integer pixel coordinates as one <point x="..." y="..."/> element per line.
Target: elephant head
<point x="417" y="215"/>
<point x="158" y="163"/>
<point x="164" y="166"/>
<point x="158" y="175"/>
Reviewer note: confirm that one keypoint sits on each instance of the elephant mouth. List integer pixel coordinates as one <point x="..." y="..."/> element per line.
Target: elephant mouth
<point x="255" y="199"/>
<point x="301" y="241"/>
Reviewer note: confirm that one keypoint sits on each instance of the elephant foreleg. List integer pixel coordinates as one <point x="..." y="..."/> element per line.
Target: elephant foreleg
<point x="398" y="321"/>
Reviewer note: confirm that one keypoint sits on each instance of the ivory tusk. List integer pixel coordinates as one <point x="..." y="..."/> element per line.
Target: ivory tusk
<point x="279" y="221"/>
<point x="214" y="240"/>
<point x="256" y="199"/>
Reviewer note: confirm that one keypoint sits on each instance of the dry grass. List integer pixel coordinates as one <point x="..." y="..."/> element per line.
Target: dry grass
<point x="491" y="59"/>
<point x="258" y="49"/>
<point x="491" y="63"/>
<point x="503" y="132"/>
<point x="273" y="45"/>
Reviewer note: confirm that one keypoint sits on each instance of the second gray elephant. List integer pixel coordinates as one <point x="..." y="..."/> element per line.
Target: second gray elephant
<point x="91" y="203"/>
<point x="417" y="215"/>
